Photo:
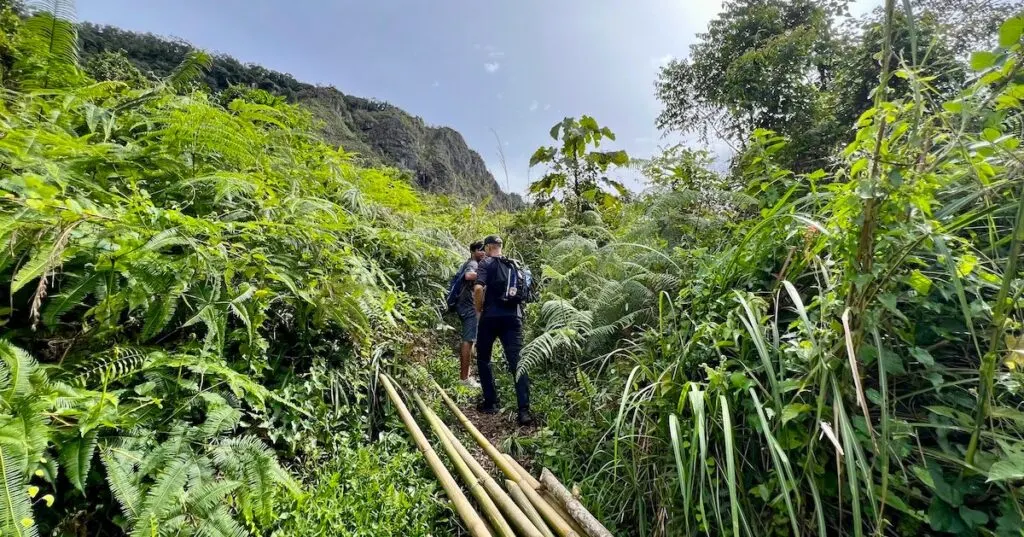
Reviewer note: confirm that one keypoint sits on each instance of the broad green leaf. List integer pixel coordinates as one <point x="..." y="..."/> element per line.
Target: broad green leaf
<point x="966" y="265"/>
<point x="922" y="356"/>
<point x="920" y="283"/>
<point x="972" y="517"/>
<point x="793" y="411"/>
<point x="982" y="60"/>
<point x="1011" y="30"/>
<point x="1007" y="470"/>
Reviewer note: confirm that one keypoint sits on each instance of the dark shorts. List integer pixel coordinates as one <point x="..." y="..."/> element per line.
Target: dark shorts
<point x="469" y="323"/>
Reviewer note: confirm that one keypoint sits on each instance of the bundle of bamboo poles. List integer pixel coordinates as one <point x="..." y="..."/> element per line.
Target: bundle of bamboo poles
<point x="525" y="508"/>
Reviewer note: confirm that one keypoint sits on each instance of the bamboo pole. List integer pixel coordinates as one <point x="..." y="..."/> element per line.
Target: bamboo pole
<point x="474" y="524"/>
<point x="548" y="512"/>
<point x="545" y="495"/>
<point x="501" y="462"/>
<point x="522" y="472"/>
<point x="478" y="484"/>
<point x="591" y="525"/>
<point x="553" y="502"/>
<point x="520" y="497"/>
<point x="561" y="523"/>
<point x="518" y="517"/>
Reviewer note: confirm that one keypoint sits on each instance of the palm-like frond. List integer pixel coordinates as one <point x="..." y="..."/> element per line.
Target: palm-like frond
<point x="53" y="23"/>
<point x="190" y="69"/>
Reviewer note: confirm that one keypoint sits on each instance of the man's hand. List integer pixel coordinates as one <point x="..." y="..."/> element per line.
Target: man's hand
<point x="470" y="275"/>
<point x="478" y="298"/>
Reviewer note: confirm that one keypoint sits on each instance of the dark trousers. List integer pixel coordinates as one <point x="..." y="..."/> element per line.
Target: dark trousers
<point x="510" y="331"/>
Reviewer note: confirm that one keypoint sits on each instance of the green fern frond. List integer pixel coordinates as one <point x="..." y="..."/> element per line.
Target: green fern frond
<point x="15" y="504"/>
<point x="219" y="523"/>
<point x="220" y="419"/>
<point x="190" y="69"/>
<point x="19" y="367"/>
<point x="76" y="457"/>
<point x="74" y="295"/>
<point x="123" y="362"/>
<point x="160" y="313"/>
<point x="119" y="477"/>
<point x="209" y="496"/>
<point x="168" y="488"/>
<point x="52" y="23"/>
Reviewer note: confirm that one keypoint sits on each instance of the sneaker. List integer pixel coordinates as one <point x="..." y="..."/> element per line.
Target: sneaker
<point x="487" y="408"/>
<point x="470" y="382"/>
<point x="525" y="419"/>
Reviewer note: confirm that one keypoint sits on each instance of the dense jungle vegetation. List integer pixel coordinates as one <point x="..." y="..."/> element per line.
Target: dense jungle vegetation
<point x="825" y="339"/>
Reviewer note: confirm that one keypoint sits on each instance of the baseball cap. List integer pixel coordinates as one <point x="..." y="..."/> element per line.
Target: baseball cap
<point x="492" y="239"/>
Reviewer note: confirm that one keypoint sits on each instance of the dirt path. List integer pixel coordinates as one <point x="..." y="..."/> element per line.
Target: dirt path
<point x="497" y="428"/>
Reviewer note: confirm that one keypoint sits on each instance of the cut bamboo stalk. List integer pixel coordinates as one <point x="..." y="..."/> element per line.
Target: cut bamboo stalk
<point x="591" y="525"/>
<point x="548" y="513"/>
<point x="516" y="516"/>
<point x="557" y="506"/>
<point x="559" y="522"/>
<point x="544" y="494"/>
<point x="477" y="484"/>
<point x="522" y="472"/>
<point x="520" y="498"/>
<point x="474" y="524"/>
<point x="501" y="462"/>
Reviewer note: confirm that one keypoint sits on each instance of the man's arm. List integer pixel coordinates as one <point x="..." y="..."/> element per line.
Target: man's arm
<point x="479" y="287"/>
<point x="478" y="298"/>
<point x="470" y="275"/>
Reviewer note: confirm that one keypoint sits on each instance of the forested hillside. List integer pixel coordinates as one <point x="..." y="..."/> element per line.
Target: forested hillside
<point x="438" y="158"/>
<point x="825" y="339"/>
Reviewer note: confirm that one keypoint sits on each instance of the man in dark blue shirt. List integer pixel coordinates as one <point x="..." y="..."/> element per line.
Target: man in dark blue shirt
<point x="502" y="320"/>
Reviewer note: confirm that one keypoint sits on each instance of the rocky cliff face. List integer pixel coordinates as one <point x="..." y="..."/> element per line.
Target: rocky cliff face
<point x="436" y="158"/>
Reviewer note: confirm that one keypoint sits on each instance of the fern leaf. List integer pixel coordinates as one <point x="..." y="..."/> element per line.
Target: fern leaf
<point x="126" y="492"/>
<point x="190" y="69"/>
<point x="15" y="504"/>
<point x="74" y="296"/>
<point x="220" y="524"/>
<point x="160" y="313"/>
<point x="53" y="24"/>
<point x="163" y="239"/>
<point x="76" y="458"/>
<point x="19" y="366"/>
<point x="168" y="488"/>
<point x="41" y="261"/>
<point x="221" y="419"/>
<point x="209" y="496"/>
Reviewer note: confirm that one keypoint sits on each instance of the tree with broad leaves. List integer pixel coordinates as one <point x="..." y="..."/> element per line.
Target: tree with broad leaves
<point x="577" y="173"/>
<point x="761" y="64"/>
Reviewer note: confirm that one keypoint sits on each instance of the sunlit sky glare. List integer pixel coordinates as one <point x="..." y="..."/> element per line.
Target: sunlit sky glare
<point x="514" y="67"/>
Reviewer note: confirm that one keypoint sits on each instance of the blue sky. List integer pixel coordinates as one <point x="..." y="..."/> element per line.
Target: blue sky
<point x="514" y="66"/>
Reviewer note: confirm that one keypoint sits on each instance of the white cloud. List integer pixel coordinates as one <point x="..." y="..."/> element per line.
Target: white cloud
<point x="547" y="107"/>
<point x="495" y="54"/>
<point x="436" y="84"/>
<point x="662" y="61"/>
<point x="534" y="105"/>
<point x="491" y="67"/>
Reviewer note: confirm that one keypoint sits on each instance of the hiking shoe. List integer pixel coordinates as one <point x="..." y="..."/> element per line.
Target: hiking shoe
<point x="471" y="382"/>
<point x="487" y="408"/>
<point x="525" y="418"/>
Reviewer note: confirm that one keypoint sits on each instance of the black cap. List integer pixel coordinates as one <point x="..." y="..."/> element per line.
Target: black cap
<point x="476" y="246"/>
<point x="492" y="239"/>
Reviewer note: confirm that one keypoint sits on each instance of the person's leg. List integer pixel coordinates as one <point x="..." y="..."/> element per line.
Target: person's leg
<point x="465" y="355"/>
<point x="469" y="330"/>
<point x="512" y="342"/>
<point x="484" y="346"/>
